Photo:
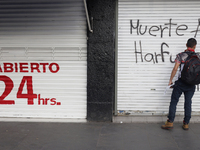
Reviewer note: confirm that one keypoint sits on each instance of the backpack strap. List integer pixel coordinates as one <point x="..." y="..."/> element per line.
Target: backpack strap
<point x="190" y="54"/>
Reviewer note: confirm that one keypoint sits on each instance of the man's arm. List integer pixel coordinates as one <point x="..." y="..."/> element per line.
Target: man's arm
<point x="173" y="73"/>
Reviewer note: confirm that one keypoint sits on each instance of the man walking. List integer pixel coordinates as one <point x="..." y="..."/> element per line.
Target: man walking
<point x="181" y="87"/>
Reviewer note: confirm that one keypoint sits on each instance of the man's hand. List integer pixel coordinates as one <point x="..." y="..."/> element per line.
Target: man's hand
<point x="170" y="83"/>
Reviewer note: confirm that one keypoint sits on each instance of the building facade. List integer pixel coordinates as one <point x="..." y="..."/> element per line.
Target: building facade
<point x="92" y="60"/>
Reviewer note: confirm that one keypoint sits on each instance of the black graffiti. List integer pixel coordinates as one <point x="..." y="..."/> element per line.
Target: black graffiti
<point x="151" y="57"/>
<point x="158" y="30"/>
<point x="196" y="29"/>
<point x="136" y="52"/>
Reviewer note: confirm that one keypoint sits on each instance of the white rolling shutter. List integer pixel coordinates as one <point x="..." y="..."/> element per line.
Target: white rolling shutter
<point x="44" y="43"/>
<point x="150" y="34"/>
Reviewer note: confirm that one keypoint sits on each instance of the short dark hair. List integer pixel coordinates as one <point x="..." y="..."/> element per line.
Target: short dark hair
<point x="191" y="42"/>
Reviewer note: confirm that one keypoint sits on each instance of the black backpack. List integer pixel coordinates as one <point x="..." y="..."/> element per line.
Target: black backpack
<point x="191" y="70"/>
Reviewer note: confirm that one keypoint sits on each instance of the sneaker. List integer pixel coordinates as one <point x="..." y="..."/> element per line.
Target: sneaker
<point x="185" y="126"/>
<point x="168" y="125"/>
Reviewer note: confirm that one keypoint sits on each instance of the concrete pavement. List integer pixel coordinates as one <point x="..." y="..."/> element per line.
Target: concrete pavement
<point x="97" y="136"/>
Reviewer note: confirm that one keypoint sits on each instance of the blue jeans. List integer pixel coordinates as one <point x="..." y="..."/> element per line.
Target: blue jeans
<point x="188" y="90"/>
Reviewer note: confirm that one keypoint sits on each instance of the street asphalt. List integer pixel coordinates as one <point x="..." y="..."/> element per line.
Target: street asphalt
<point x="97" y="136"/>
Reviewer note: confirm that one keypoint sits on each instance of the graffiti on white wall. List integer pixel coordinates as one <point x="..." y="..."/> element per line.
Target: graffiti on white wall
<point x="137" y="28"/>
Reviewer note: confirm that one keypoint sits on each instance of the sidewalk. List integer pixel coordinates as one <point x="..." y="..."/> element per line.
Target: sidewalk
<point x="97" y="136"/>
